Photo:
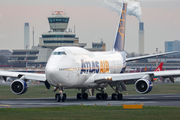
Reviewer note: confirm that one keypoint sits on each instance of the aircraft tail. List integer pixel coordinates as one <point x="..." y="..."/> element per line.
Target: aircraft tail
<point x="159" y="68"/>
<point x="120" y="36"/>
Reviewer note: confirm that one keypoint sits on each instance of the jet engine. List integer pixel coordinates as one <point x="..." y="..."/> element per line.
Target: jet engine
<point x="18" y="86"/>
<point x="143" y="86"/>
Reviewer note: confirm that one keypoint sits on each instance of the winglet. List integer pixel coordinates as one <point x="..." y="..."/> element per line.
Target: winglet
<point x="120" y="36"/>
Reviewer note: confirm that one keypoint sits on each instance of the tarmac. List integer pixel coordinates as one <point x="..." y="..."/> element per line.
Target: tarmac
<point x="147" y="100"/>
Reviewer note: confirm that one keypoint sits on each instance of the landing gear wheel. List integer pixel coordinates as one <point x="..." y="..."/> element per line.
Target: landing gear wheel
<point x="58" y="97"/>
<point x="79" y="96"/>
<point x="119" y="96"/>
<point x="85" y="96"/>
<point x="98" y="96"/>
<point x="63" y="98"/>
<point x="55" y="96"/>
<point x="102" y="96"/>
<point x="113" y="96"/>
<point x="105" y="96"/>
<point x="64" y="94"/>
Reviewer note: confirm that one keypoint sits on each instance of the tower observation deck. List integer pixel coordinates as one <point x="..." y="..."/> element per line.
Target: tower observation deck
<point x="59" y="36"/>
<point x="58" y="21"/>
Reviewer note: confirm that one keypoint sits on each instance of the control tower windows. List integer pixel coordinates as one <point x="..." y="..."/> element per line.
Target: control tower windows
<point x="58" y="36"/>
<point x="55" y="41"/>
<point x="58" y="20"/>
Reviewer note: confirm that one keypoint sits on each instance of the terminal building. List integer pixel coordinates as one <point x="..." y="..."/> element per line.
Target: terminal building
<point x="36" y="57"/>
<point x="97" y="47"/>
<point x="6" y="53"/>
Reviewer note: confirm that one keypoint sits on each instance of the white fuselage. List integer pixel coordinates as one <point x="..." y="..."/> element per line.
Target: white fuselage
<point x="71" y="67"/>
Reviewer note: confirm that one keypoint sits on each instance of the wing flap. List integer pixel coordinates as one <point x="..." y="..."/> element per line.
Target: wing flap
<point x="103" y="78"/>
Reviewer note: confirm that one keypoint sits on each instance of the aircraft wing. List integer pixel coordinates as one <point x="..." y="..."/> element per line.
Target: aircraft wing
<point x="148" y="56"/>
<point x="130" y="78"/>
<point x="26" y="76"/>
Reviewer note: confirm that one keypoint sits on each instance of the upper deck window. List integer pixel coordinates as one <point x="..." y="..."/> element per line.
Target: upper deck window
<point x="59" y="53"/>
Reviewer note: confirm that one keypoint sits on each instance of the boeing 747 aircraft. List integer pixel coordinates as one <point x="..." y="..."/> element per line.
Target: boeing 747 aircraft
<point x="78" y="68"/>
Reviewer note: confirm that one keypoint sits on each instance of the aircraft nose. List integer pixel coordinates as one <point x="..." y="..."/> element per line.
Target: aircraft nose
<point x="51" y="73"/>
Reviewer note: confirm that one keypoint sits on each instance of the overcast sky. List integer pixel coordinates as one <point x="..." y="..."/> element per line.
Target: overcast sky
<point x="93" y="21"/>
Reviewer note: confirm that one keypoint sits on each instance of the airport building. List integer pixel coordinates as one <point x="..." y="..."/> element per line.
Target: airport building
<point x="97" y="47"/>
<point x="26" y="35"/>
<point x="37" y="56"/>
<point x="5" y="53"/>
<point x="172" y="46"/>
<point x="58" y="35"/>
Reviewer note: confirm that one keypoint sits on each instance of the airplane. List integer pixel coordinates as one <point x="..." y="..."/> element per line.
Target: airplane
<point x="78" y="68"/>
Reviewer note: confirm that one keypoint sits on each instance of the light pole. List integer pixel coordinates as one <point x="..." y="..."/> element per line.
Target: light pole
<point x="157" y="57"/>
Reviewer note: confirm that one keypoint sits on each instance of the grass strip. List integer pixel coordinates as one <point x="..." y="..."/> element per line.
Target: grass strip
<point x="90" y="113"/>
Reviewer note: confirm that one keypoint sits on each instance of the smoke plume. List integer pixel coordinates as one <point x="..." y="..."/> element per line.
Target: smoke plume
<point x="133" y="7"/>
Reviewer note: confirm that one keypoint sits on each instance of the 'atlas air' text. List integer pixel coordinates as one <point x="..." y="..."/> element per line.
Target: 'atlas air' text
<point x="101" y="66"/>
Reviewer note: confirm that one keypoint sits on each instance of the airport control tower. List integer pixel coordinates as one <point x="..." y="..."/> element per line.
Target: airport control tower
<point x="58" y="34"/>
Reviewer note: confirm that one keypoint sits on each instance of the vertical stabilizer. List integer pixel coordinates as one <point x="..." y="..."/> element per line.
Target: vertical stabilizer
<point x="120" y="36"/>
<point x="159" y="68"/>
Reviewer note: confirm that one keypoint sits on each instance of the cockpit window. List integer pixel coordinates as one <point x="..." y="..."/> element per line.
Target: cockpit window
<point x="59" y="53"/>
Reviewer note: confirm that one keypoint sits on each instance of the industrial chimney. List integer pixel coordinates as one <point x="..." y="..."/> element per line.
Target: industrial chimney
<point x="141" y="38"/>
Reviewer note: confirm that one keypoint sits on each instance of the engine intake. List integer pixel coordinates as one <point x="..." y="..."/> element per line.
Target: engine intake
<point x="18" y="87"/>
<point x="143" y="86"/>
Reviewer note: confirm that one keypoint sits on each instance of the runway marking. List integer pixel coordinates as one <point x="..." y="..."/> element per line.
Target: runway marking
<point x="171" y="96"/>
<point x="5" y="105"/>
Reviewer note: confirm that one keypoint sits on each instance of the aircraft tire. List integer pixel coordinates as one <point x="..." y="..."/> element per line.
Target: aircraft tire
<point x="98" y="96"/>
<point x="64" y="94"/>
<point x="55" y="96"/>
<point x="105" y="96"/>
<point x="63" y="98"/>
<point x="85" y="96"/>
<point x="58" y="98"/>
<point x="79" y="96"/>
<point x="120" y="96"/>
<point x="113" y="96"/>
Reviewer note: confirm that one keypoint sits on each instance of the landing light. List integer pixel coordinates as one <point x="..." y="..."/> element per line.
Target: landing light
<point x="108" y="78"/>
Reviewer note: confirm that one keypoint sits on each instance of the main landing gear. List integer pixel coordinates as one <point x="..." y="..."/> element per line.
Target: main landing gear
<point x="82" y="95"/>
<point x="60" y="96"/>
<point x="117" y="95"/>
<point x="102" y="95"/>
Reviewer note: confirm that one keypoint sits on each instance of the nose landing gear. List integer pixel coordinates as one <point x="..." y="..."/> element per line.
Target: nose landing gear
<point x="60" y="96"/>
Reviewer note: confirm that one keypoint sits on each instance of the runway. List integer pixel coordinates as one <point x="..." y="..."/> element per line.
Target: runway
<point x="147" y="100"/>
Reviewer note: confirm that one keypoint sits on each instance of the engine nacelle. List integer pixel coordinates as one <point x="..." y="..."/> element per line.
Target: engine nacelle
<point x="143" y="86"/>
<point x="18" y="86"/>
